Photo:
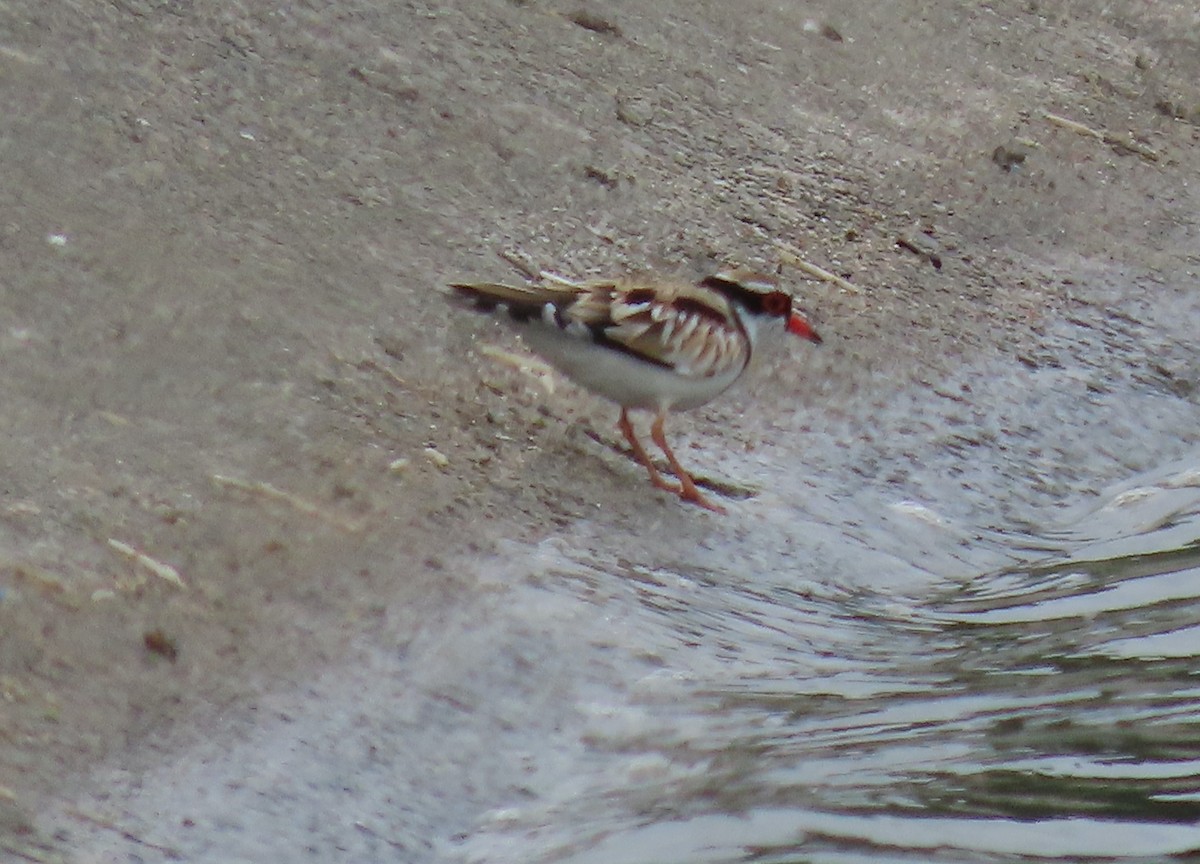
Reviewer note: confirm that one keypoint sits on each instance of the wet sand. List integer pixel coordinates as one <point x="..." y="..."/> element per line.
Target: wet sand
<point x="246" y="444"/>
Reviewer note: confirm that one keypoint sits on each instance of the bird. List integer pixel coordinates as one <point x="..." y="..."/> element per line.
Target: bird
<point x="648" y="342"/>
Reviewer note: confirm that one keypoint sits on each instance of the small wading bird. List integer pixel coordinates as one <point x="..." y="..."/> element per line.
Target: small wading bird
<point x="659" y="345"/>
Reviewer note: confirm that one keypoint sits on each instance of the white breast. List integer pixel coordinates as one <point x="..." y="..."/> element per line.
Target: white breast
<point x="624" y="378"/>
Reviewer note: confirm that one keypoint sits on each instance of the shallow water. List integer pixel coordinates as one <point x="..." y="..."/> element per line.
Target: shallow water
<point x="1046" y="711"/>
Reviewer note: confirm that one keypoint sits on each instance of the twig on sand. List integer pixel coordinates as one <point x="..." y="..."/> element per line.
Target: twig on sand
<point x="301" y="505"/>
<point x="790" y="255"/>
<point x="1120" y="142"/>
<point x="158" y="568"/>
<point x="522" y="262"/>
<point x="533" y="273"/>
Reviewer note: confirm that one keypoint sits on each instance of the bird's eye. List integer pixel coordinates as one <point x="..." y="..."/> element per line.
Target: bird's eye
<point x="777" y="303"/>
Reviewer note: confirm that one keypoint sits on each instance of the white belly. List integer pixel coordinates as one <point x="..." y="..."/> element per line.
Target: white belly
<point x="621" y="377"/>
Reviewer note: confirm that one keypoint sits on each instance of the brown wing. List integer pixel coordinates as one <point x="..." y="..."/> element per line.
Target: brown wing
<point x="681" y="326"/>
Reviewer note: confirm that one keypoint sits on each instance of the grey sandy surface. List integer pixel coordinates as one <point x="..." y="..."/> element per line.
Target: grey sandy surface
<point x="223" y="344"/>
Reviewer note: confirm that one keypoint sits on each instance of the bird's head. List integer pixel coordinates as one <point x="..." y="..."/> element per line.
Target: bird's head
<point x="760" y="296"/>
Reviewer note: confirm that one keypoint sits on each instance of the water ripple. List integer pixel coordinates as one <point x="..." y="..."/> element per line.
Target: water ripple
<point x="1048" y="711"/>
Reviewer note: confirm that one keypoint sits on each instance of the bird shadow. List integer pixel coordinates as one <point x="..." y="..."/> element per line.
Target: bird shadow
<point x="727" y="489"/>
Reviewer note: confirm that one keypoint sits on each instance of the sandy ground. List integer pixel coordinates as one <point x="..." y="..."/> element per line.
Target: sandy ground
<point x="243" y="433"/>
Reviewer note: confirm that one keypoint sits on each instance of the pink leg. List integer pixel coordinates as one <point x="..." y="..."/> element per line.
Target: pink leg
<point x="640" y="453"/>
<point x="687" y="487"/>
